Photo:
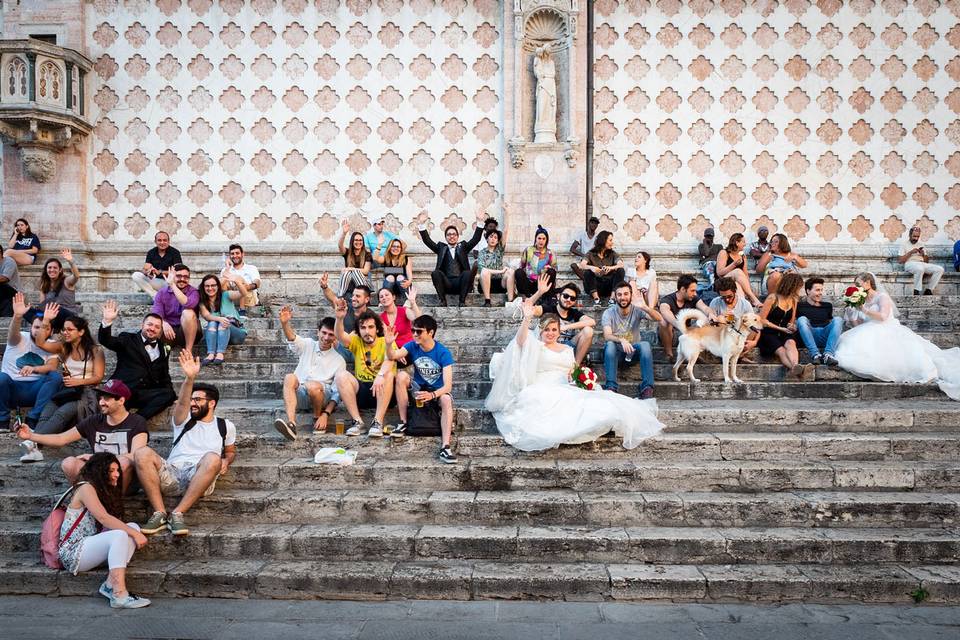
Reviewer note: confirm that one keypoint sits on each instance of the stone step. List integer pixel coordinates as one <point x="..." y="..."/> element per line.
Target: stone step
<point x="509" y="473"/>
<point x="483" y="579"/>
<point x="432" y="542"/>
<point x="807" y="509"/>
<point x="931" y="446"/>
<point x="680" y="416"/>
<point x="664" y="389"/>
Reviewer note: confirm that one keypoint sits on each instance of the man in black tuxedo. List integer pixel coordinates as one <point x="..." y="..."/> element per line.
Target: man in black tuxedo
<point x="142" y="361"/>
<point x="453" y="273"/>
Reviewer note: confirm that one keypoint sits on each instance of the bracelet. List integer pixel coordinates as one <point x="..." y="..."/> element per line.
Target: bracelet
<point x="326" y="413"/>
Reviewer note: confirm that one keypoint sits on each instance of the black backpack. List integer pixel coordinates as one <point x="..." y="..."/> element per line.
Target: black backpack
<point x="423" y="421"/>
<point x="192" y="422"/>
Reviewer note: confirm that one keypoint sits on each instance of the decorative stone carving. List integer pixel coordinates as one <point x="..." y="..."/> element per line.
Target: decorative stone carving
<point x="39" y="163"/>
<point x="515" y="147"/>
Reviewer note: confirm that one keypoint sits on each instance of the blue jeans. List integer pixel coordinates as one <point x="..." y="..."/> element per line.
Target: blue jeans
<point x="27" y="393"/>
<point x="613" y="357"/>
<point x="816" y="337"/>
<point x="218" y="338"/>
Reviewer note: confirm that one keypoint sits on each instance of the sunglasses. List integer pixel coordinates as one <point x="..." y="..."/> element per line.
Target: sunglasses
<point x="730" y="297"/>
<point x="567" y="296"/>
<point x="366" y="359"/>
<point x="417" y="331"/>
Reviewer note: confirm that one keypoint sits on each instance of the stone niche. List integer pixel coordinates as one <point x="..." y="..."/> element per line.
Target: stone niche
<point x="545" y="180"/>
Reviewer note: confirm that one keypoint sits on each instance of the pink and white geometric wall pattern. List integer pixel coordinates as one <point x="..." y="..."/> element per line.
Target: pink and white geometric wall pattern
<point x="828" y="120"/>
<point x="276" y="119"/>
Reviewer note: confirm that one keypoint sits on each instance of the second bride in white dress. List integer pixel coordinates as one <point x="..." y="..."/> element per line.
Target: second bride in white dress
<point x="881" y="348"/>
<point x="536" y="407"/>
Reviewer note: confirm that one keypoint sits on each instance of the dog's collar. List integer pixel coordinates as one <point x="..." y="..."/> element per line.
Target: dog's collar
<point x="735" y="330"/>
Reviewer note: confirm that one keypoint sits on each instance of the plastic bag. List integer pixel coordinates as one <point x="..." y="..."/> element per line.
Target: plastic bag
<point x="335" y="455"/>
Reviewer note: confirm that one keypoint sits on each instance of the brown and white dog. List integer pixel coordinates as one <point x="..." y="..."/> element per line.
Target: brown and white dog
<point x="722" y="340"/>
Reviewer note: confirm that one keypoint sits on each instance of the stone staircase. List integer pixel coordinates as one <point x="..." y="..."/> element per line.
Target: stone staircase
<point x="838" y="490"/>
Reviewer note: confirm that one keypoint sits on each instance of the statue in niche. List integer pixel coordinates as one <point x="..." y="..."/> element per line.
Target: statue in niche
<point x="545" y="70"/>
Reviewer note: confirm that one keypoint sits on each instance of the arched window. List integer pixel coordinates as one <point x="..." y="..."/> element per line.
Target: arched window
<point x="17" y="77"/>
<point x="49" y="82"/>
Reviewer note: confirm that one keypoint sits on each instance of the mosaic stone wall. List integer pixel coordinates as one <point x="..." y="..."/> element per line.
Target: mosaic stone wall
<point x="829" y="120"/>
<point x="275" y="119"/>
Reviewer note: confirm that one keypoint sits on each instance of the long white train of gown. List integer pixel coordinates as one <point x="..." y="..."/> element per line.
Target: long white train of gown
<point x="888" y="351"/>
<point x="536" y="408"/>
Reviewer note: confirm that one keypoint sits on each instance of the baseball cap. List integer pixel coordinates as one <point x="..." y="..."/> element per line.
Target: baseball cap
<point x="708" y="232"/>
<point x="763" y="229"/>
<point x="115" y="388"/>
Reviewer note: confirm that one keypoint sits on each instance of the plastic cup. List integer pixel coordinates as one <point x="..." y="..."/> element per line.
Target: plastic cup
<point x="340" y="426"/>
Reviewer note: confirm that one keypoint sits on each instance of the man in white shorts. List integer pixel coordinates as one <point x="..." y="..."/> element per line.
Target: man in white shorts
<point x="204" y="446"/>
<point x="311" y="386"/>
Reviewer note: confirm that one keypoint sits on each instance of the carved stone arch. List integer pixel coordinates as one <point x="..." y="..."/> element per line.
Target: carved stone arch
<point x="15" y="78"/>
<point x="546" y="25"/>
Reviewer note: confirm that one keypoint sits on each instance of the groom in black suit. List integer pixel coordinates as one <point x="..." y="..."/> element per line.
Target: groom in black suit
<point x="453" y="273"/>
<point x="142" y="361"/>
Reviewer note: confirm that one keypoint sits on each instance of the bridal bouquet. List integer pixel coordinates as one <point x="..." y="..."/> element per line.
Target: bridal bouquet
<point x="854" y="297"/>
<point x="585" y="378"/>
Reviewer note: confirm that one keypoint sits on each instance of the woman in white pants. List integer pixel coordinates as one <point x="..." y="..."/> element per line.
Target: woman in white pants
<point x="97" y="503"/>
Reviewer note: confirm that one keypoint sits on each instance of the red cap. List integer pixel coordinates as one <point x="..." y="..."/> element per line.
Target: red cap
<point x="115" y="388"/>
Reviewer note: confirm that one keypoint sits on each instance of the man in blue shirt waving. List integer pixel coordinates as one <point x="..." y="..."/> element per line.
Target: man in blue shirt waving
<point x="432" y="378"/>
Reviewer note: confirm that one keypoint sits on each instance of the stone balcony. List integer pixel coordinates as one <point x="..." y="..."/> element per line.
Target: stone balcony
<point x="42" y="102"/>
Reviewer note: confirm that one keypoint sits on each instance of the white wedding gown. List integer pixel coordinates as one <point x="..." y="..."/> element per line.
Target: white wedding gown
<point x="886" y="350"/>
<point x="537" y="408"/>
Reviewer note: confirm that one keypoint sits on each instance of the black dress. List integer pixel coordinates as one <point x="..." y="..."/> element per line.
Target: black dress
<point x="772" y="339"/>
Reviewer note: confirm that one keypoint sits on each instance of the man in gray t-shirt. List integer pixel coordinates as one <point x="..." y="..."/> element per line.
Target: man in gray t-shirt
<point x="729" y="300"/>
<point x="621" y="336"/>
<point x="9" y="285"/>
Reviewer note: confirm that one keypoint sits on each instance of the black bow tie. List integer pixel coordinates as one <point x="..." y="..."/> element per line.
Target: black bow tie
<point x="150" y="343"/>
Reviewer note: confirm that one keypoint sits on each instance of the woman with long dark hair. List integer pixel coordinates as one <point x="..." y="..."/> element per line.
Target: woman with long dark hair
<point x="779" y="260"/>
<point x="602" y="268"/>
<point x="82" y="363"/>
<point x="732" y="263"/>
<point x="218" y="308"/>
<point x="535" y="261"/>
<point x="97" y="505"/>
<point x="357" y="262"/>
<point x="24" y="245"/>
<point x="397" y="269"/>
<point x="60" y="286"/>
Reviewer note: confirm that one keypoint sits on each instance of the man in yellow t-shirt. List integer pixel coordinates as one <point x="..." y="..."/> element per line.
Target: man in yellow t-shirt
<point x="371" y="384"/>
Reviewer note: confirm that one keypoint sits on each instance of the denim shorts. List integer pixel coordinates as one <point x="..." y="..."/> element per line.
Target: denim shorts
<point x="330" y="392"/>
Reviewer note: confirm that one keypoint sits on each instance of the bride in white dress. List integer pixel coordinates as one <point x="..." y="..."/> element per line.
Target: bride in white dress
<point x="881" y="348"/>
<point x="536" y="407"/>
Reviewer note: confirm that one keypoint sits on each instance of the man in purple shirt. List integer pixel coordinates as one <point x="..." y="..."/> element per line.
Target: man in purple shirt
<point x="176" y="304"/>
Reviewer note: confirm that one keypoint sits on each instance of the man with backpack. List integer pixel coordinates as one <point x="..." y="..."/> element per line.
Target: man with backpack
<point x="203" y="449"/>
<point x="431" y="382"/>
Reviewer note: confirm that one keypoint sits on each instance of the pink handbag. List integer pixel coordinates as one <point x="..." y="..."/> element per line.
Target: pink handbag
<point x="50" y="540"/>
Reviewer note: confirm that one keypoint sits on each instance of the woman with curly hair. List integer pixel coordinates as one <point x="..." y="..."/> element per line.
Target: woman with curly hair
<point x="93" y="531"/>
<point x="779" y="335"/>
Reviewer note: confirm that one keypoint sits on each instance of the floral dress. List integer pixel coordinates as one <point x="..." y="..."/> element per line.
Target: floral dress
<point x="70" y="549"/>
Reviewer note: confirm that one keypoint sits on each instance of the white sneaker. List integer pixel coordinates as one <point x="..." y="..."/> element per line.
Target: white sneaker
<point x="33" y="454"/>
<point x="376" y="430"/>
<point x="356" y="429"/>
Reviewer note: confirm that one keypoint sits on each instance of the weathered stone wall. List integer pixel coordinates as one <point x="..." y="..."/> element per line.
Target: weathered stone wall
<point x="273" y="120"/>
<point x="835" y="122"/>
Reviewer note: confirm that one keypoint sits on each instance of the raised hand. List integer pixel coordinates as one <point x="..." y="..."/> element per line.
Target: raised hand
<point x="171" y="279"/>
<point x="66" y="254"/>
<point x="20" y="307"/>
<point x="340" y="309"/>
<point x="389" y="334"/>
<point x="51" y="311"/>
<point x="411" y="291"/>
<point x="189" y="364"/>
<point x="324" y="281"/>
<point x="286" y="313"/>
<point x="543" y="284"/>
<point x="528" y="310"/>
<point x="110" y="311"/>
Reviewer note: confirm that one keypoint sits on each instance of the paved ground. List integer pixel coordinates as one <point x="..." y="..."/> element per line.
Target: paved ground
<point x="27" y="617"/>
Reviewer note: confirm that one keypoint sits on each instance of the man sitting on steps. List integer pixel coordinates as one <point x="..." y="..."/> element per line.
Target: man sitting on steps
<point x="312" y="384"/>
<point x="372" y="384"/>
<point x="142" y="361"/>
<point x="204" y="447"/>
<point x="432" y="375"/>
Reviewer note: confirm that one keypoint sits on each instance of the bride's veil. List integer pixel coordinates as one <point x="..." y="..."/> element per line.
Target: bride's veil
<point x="883" y="291"/>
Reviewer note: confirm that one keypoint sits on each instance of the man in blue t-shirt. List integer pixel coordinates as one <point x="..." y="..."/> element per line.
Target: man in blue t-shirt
<point x="432" y="378"/>
<point x="956" y="256"/>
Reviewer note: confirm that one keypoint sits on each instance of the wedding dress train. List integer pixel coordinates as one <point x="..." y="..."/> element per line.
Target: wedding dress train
<point x="537" y="408"/>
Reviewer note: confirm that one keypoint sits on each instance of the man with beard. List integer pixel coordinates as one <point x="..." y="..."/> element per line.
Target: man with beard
<point x="114" y="430"/>
<point x="142" y="361"/>
<point x="371" y="384"/>
<point x="916" y="262"/>
<point x="177" y="307"/>
<point x="817" y="326"/>
<point x="621" y="335"/>
<point x="576" y="329"/>
<point x="203" y="449"/>
<point x="685" y="297"/>
<point x="311" y="386"/>
<point x="359" y="301"/>
<point x="453" y="273"/>
<point x="238" y="269"/>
